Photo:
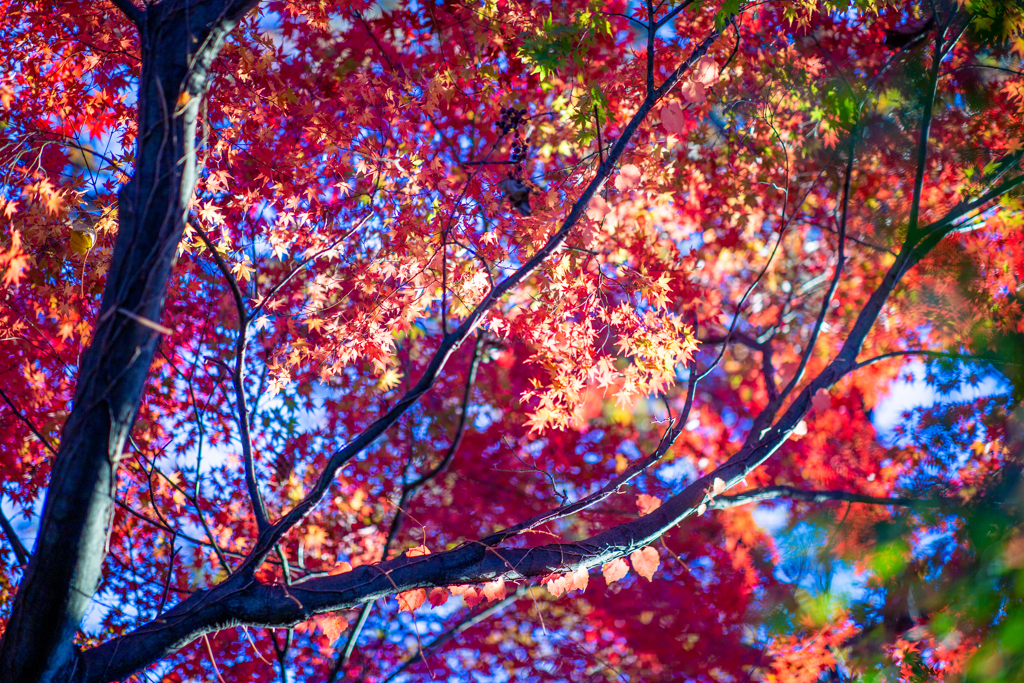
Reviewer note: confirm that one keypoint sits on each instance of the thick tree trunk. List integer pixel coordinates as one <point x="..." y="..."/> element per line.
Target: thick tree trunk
<point x="179" y="40"/>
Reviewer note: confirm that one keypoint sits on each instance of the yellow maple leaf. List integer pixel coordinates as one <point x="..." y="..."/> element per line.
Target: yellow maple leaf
<point x="1018" y="46"/>
<point x="242" y="270"/>
<point x="389" y="380"/>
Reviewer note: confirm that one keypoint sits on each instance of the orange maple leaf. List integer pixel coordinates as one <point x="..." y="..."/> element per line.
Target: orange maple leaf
<point x="333" y="626"/>
<point x="410" y="601"/>
<point x="472" y="597"/>
<point x="340" y="568"/>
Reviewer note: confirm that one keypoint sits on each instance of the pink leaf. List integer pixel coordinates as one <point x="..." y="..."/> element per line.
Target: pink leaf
<point x="614" y="570"/>
<point x="472" y="597"/>
<point x="647" y="504"/>
<point x="556" y="584"/>
<point x="822" y="401"/>
<point x="438" y="597"/>
<point x="672" y="118"/>
<point x="694" y="92"/>
<point x="581" y="578"/>
<point x="705" y="71"/>
<point x="598" y="208"/>
<point x="628" y="178"/>
<point x="645" y="562"/>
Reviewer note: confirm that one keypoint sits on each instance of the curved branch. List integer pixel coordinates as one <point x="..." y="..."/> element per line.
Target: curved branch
<point x="248" y="602"/>
<point x="17" y="546"/>
<point x="808" y="496"/>
<point x="241" y="599"/>
<point x="129" y="10"/>
<point x="933" y="354"/>
<point x="237" y="381"/>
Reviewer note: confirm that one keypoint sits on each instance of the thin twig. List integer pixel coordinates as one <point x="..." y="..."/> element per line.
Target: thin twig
<point x="408" y="491"/>
<point x="237" y="380"/>
<point x="467" y="623"/>
<point x="42" y="439"/>
<point x="20" y="551"/>
<point x="935" y="354"/>
<point x="631" y="472"/>
<point x="808" y="496"/>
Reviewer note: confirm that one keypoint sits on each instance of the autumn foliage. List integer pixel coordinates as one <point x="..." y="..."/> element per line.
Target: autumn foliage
<point x="514" y="339"/>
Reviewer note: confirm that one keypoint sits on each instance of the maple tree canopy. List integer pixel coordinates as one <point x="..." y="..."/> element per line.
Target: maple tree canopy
<point x="511" y="340"/>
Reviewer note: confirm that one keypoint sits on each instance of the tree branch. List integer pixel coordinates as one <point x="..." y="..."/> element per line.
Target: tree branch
<point x="237" y="380"/>
<point x="20" y="551"/>
<point x="933" y="354"/>
<point x="241" y="599"/>
<point x="837" y="274"/>
<point x="807" y="496"/>
<point x="129" y="10"/>
<point x="179" y="41"/>
<point x="922" y="148"/>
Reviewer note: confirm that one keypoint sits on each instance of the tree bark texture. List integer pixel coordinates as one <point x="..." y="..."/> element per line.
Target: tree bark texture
<point x="179" y="40"/>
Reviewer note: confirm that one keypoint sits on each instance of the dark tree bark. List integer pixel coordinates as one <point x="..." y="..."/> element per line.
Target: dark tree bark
<point x="179" y="40"/>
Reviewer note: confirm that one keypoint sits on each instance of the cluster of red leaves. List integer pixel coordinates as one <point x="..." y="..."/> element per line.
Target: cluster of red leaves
<point x="350" y="180"/>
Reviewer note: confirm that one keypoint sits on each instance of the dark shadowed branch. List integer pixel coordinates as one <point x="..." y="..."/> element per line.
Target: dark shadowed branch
<point x="809" y="496"/>
<point x="134" y="14"/>
<point x="20" y="552"/>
